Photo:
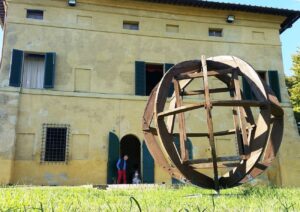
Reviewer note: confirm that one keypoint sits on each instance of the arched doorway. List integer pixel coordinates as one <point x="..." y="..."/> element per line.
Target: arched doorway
<point x="131" y="146"/>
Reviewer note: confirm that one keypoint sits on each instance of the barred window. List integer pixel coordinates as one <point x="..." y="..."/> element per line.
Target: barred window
<point x="55" y="143"/>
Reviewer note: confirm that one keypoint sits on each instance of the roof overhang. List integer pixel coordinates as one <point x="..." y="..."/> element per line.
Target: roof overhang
<point x="2" y="12"/>
<point x="291" y="15"/>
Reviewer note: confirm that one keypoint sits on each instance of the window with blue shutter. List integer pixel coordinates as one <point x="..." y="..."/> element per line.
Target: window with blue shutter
<point x="167" y="67"/>
<point x="113" y="156"/>
<point x="49" y="76"/>
<point x="274" y="83"/>
<point x="16" y="68"/>
<point x="148" y="75"/>
<point x="148" y="165"/>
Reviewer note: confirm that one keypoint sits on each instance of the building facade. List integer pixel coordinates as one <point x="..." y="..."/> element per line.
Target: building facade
<point x="74" y="81"/>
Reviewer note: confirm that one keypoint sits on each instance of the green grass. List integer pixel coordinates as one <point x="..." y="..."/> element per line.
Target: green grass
<point x="185" y="198"/>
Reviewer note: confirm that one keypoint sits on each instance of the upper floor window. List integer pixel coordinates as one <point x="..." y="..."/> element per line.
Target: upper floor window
<point x="270" y="77"/>
<point x="35" y="14"/>
<point x="215" y="32"/>
<point x="262" y="75"/>
<point x="131" y="25"/>
<point x="55" y="142"/>
<point x="148" y="75"/>
<point x="31" y="70"/>
<point x="154" y="73"/>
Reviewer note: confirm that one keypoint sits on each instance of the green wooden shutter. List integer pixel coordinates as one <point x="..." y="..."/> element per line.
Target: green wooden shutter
<point x="167" y="67"/>
<point x="140" y="78"/>
<point x="113" y="156"/>
<point x="16" y="68"/>
<point x="246" y="89"/>
<point x="49" y="70"/>
<point x="274" y="83"/>
<point x="190" y="148"/>
<point x="148" y="165"/>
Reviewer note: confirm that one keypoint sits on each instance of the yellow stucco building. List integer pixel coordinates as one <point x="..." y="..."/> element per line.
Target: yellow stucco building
<point x="75" y="76"/>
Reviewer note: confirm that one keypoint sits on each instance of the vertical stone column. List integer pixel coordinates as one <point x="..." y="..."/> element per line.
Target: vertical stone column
<point x="9" y="101"/>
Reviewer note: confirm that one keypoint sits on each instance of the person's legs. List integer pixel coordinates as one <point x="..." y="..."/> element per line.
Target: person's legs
<point x="120" y="174"/>
<point x="124" y="177"/>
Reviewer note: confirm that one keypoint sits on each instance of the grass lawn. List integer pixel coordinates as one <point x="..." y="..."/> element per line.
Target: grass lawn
<point x="185" y="198"/>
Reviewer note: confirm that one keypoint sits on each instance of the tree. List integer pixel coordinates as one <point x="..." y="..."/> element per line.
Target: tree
<point x="293" y="84"/>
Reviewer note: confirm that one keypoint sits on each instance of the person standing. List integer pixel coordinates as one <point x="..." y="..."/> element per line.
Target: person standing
<point x="121" y="166"/>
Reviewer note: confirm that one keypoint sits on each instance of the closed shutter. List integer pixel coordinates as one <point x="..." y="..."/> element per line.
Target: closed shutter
<point x="190" y="148"/>
<point x="148" y="165"/>
<point x="16" y="68"/>
<point x="274" y="83"/>
<point x="167" y="67"/>
<point x="247" y="90"/>
<point x="113" y="156"/>
<point x="49" y="70"/>
<point x="140" y="78"/>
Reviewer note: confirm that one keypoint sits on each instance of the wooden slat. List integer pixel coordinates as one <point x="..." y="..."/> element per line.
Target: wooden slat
<point x="218" y="159"/>
<point x="200" y="74"/>
<point x="181" y="122"/>
<point x="241" y="103"/>
<point x="210" y="127"/>
<point x="240" y="121"/>
<point x="180" y="109"/>
<point x="199" y="92"/>
<point x="220" y="133"/>
<point x="219" y="165"/>
<point x="225" y="103"/>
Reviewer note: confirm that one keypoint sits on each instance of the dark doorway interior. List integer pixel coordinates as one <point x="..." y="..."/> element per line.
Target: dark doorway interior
<point x="131" y="146"/>
<point x="154" y="73"/>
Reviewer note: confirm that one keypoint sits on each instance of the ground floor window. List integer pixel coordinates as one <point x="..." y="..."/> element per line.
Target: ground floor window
<point x="55" y="143"/>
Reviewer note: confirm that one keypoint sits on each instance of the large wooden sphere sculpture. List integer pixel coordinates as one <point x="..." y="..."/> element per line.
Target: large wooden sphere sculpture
<point x="257" y="138"/>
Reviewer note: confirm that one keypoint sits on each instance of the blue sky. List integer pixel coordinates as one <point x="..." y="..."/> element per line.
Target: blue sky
<point x="290" y="38"/>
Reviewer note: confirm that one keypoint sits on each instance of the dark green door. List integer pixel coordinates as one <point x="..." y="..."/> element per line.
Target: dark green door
<point x="113" y="156"/>
<point x="148" y="165"/>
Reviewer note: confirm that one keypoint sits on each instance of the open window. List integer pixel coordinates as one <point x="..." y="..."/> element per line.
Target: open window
<point x="32" y="70"/>
<point x="148" y="75"/>
<point x="154" y="73"/>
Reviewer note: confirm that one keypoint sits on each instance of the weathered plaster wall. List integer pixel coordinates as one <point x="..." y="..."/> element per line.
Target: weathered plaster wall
<point x="96" y="56"/>
<point x="8" y="120"/>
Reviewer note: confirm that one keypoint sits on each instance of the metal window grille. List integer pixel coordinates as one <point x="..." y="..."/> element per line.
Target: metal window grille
<point x="55" y="143"/>
<point x="35" y="14"/>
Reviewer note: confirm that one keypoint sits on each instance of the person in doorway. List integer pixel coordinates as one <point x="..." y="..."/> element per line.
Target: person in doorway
<point x="121" y="166"/>
<point x="136" y="178"/>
